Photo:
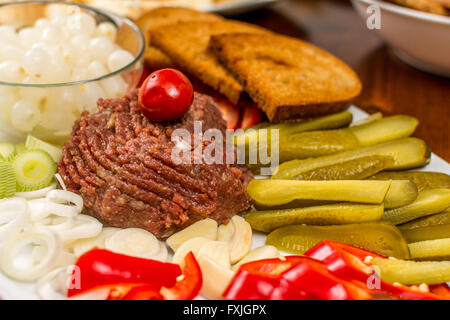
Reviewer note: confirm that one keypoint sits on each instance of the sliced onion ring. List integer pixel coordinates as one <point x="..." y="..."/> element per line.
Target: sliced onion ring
<point x="134" y="242"/>
<point x="13" y="246"/>
<point x="41" y="193"/>
<point x="60" y="181"/>
<point x="85" y="227"/>
<point x="13" y="216"/>
<point x="42" y="208"/>
<point x="53" y="285"/>
<point x="61" y="196"/>
<point x="56" y="223"/>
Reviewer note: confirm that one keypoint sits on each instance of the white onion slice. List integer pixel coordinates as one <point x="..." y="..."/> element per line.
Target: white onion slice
<point x="60" y="181"/>
<point x="96" y="294"/>
<point x="134" y="242"/>
<point x="15" y="245"/>
<point x="80" y="246"/>
<point x="163" y="255"/>
<point x="66" y="197"/>
<point x="13" y="216"/>
<point x="53" y="286"/>
<point x="42" y="208"/>
<point x="56" y="223"/>
<point x="84" y="227"/>
<point x="41" y="193"/>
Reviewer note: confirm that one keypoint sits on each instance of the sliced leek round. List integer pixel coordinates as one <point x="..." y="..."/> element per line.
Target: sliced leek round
<point x="34" y="170"/>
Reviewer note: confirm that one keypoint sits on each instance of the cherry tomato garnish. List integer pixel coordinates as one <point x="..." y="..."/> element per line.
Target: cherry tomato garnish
<point x="166" y="94"/>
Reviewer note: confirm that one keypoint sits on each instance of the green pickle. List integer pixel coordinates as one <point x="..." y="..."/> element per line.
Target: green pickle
<point x="438" y="249"/>
<point x="428" y="202"/>
<point x="355" y="169"/>
<point x="412" y="272"/>
<point x="441" y="231"/>
<point x="333" y="121"/>
<point x="382" y="238"/>
<point x="433" y="220"/>
<point x="267" y="193"/>
<point x="406" y="153"/>
<point x="340" y="213"/>
<point x="422" y="179"/>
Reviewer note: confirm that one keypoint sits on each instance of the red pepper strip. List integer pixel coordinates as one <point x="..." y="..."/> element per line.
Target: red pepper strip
<point x="346" y="262"/>
<point x="441" y="290"/>
<point x="261" y="280"/>
<point x="98" y="268"/>
<point x="312" y="277"/>
<point x="144" y="293"/>
<point x="189" y="287"/>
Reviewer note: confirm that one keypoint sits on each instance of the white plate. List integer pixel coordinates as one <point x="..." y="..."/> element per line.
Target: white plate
<point x="10" y="289"/>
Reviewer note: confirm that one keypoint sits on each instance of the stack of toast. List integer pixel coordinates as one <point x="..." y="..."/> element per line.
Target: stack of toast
<point x="286" y="77"/>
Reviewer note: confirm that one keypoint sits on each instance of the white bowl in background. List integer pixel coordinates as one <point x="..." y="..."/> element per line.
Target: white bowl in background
<point x="420" y="39"/>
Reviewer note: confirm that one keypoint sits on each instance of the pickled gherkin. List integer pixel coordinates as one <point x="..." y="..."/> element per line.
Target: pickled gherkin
<point x="429" y="221"/>
<point x="333" y="121"/>
<point x="356" y="169"/>
<point x="406" y="153"/>
<point x="440" y="231"/>
<point x="438" y="249"/>
<point x="382" y="238"/>
<point x="422" y="179"/>
<point x="412" y="272"/>
<point x="272" y="192"/>
<point x="428" y="202"/>
<point x="340" y="213"/>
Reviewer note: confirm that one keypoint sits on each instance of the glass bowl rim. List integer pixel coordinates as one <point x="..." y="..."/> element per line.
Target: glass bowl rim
<point x="110" y="16"/>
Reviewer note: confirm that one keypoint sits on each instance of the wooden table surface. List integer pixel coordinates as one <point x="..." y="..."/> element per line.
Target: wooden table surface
<point x="388" y="83"/>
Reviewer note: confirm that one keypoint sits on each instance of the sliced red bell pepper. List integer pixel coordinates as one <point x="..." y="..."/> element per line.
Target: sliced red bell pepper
<point x="144" y="293"/>
<point x="251" y="115"/>
<point x="347" y="262"/>
<point x="312" y="277"/>
<point x="99" y="268"/>
<point x="189" y="287"/>
<point x="441" y="290"/>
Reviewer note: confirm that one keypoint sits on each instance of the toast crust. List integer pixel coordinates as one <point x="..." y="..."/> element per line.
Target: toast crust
<point x="287" y="77"/>
<point x="155" y="58"/>
<point x="187" y="45"/>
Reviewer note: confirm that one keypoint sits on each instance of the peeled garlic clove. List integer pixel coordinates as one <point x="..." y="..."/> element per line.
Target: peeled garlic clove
<point x="225" y="232"/>
<point x="241" y="241"/>
<point x="263" y="252"/>
<point x="194" y="245"/>
<point x="217" y="251"/>
<point x="215" y="278"/>
<point x="206" y="228"/>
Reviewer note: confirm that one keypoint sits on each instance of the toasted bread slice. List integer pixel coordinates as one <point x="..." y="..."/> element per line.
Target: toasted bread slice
<point x="287" y="77"/>
<point x="154" y="58"/>
<point x="187" y="44"/>
<point x="430" y="6"/>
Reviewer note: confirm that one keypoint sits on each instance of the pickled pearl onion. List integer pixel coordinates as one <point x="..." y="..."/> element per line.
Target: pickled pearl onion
<point x="62" y="196"/>
<point x="85" y="227"/>
<point x="37" y="193"/>
<point x="14" y="215"/>
<point x="14" y="245"/>
<point x="42" y="208"/>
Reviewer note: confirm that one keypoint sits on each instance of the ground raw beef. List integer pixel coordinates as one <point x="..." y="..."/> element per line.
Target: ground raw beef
<point x="120" y="163"/>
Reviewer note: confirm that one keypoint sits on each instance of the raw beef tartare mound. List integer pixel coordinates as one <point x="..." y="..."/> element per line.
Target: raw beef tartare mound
<point x="121" y="164"/>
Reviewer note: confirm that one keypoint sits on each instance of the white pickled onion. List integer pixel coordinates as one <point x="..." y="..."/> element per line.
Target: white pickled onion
<point x="13" y="216"/>
<point x="85" y="227"/>
<point x="60" y="181"/>
<point x="163" y="254"/>
<point x="61" y="196"/>
<point x="42" y="208"/>
<point x="37" y="193"/>
<point x="14" y="245"/>
<point x="134" y="242"/>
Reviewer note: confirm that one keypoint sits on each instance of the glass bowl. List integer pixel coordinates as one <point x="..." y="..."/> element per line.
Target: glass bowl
<point x="57" y="105"/>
